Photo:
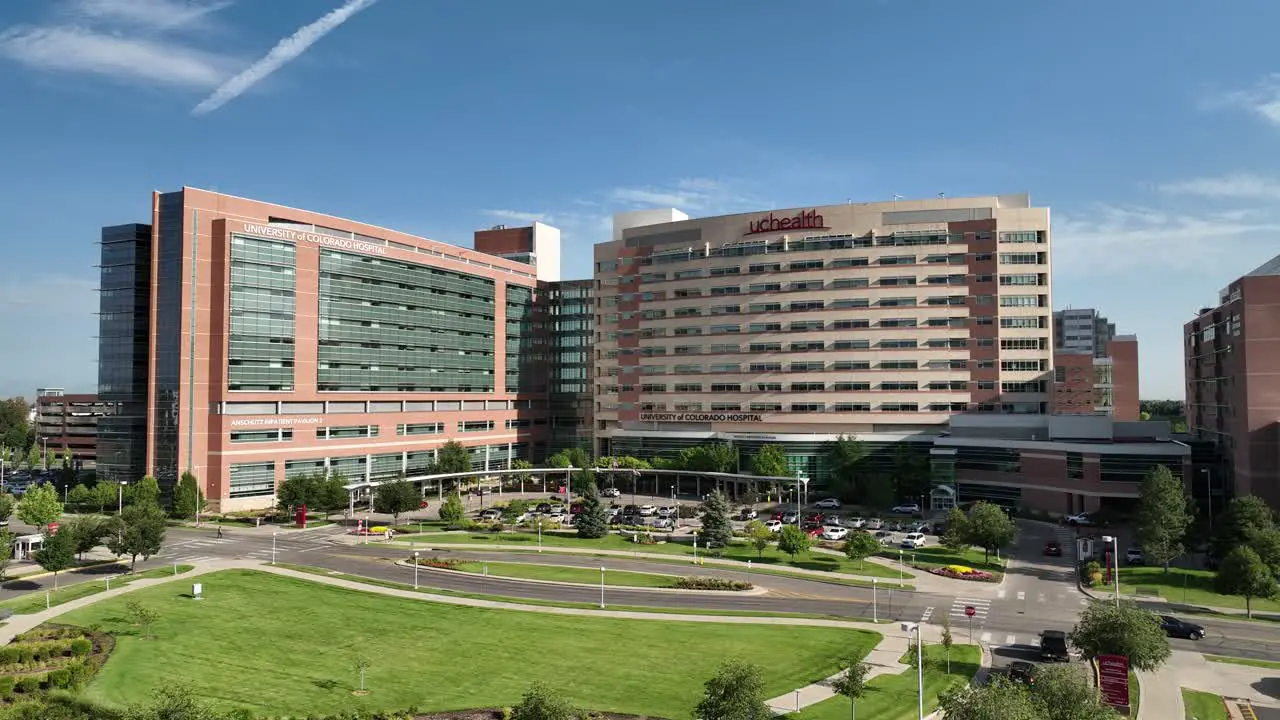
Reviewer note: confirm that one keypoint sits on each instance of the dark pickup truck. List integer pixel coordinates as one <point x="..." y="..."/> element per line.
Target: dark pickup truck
<point x="1053" y="646"/>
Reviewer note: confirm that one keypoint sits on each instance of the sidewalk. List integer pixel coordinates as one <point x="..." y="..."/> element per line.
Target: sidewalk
<point x="1219" y="613"/>
<point x="1161" y="690"/>
<point x="883" y="660"/>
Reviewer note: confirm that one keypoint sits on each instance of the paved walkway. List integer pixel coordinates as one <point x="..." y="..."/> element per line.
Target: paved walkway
<point x="1161" y="696"/>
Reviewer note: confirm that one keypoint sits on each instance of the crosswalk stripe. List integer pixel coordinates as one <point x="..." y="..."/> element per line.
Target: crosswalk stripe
<point x="986" y="637"/>
<point x="1022" y="595"/>
<point x="1001" y="593"/>
<point x="1010" y="640"/>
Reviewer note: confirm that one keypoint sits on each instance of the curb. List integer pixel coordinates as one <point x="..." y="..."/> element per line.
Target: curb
<point x="756" y="590"/>
<point x="31" y="576"/>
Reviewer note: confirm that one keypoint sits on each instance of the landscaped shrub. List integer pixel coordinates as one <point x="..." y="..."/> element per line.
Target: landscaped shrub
<point x="1089" y="571"/>
<point x="81" y="646"/>
<point x="960" y="572"/>
<point x="711" y="583"/>
<point x="29" y="684"/>
<point x="7" y="685"/>
<point x="59" y="678"/>
<point x="441" y="563"/>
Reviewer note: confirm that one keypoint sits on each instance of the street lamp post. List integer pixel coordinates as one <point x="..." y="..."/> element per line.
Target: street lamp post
<point x="601" y="587"/>
<point x="415" y="569"/>
<point x="910" y="627"/>
<point x="1115" y="561"/>
<point x="120" y="497"/>
<point x="875" y="615"/>
<point x="804" y="486"/>
<point x="273" y="548"/>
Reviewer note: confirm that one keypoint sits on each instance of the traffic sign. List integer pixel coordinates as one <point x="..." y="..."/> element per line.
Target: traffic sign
<point x="970" y="610"/>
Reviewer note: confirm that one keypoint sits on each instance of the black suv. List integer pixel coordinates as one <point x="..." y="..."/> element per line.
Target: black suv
<point x="1053" y="646"/>
<point x="1022" y="672"/>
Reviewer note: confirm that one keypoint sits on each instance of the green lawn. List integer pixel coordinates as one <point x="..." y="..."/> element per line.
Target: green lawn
<point x="824" y="562"/>
<point x="35" y="602"/>
<point x="1135" y="694"/>
<point x="1268" y="664"/>
<point x="1183" y="585"/>
<point x="565" y="573"/>
<point x="893" y="697"/>
<point x="1203" y="705"/>
<point x="936" y="555"/>
<point x="286" y="646"/>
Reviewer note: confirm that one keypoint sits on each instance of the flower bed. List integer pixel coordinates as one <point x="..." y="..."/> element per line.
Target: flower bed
<point x="51" y="657"/>
<point x="440" y="563"/>
<point x="960" y="572"/>
<point x="711" y="583"/>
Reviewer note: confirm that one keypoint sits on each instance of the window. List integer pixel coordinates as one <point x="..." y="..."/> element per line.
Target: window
<point x="845" y="303"/>
<point x="687" y="369"/>
<point x="986" y="384"/>
<point x="726" y="290"/>
<point x="1023" y="365"/>
<point x="419" y="428"/>
<point x="765" y="327"/>
<point x="764" y="287"/>
<point x="768" y="387"/>
<point x="687" y="350"/>
<point x="1075" y="466"/>
<point x="256" y="436"/>
<point x="850" y="262"/>
<point x="806" y="387"/>
<point x="766" y="407"/>
<point x="725" y="329"/>
<point x="475" y="426"/>
<point x="764" y="268"/>
<point x="851" y="407"/>
<point x="851" y="365"/>
<point x="850" y="324"/>
<point x="726" y="368"/>
<point x="851" y="386"/>
<point x="726" y="407"/>
<point x="797" y="367"/>
<point x="688" y="387"/>
<point x="1020" y="259"/>
<point x="899" y="364"/>
<point x="897" y="322"/>
<point x="725" y="387"/>
<point x="807" y="407"/>
<point x="765" y="367"/>
<point x="764" y="347"/>
<point x="720" y="271"/>
<point x="687" y="274"/>
<point x="1020" y="237"/>
<point x="653" y="388"/>
<point x="1021" y="279"/>
<point x="900" y="344"/>
<point x="851" y="345"/>
<point x="810" y="346"/>
<point x="896" y="281"/>
<point x="1060" y="374"/>
<point x="726" y="309"/>
<point x="898" y="302"/>
<point x="347" y="431"/>
<point x="807" y="305"/>
<point x="764" y="307"/>
<point x="1019" y="301"/>
<point x="1022" y="322"/>
<point x="1023" y="343"/>
<point x="687" y="312"/>
<point x="805" y="325"/>
<point x="898" y="260"/>
<point x="720" y="348"/>
<point x="843" y="283"/>
<point x="805" y="265"/>
<point x="252" y="479"/>
<point x="899" y="407"/>
<point x="805" y="285"/>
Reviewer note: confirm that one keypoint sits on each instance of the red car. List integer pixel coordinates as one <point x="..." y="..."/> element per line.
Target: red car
<point x="814" y="518"/>
<point x="814" y="532"/>
<point x="1053" y="548"/>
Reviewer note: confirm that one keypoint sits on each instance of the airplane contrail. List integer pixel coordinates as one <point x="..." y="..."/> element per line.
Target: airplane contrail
<point x="286" y="50"/>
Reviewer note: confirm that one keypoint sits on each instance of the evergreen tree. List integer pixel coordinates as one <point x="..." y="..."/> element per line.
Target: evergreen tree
<point x="593" y="521"/>
<point x="452" y="510"/>
<point x="716" y="528"/>
<point x="187" y="498"/>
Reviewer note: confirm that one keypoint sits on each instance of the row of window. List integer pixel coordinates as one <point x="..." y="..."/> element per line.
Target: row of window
<point x="1007" y="408"/>
<point x="1037" y="365"/>
<point x="848" y="303"/>
<point x="1035" y="386"/>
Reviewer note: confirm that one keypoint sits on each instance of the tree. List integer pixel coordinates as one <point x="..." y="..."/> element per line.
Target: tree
<point x="87" y="532"/>
<point x="911" y="472"/>
<point x="105" y="495"/>
<point x="188" y="500"/>
<point x="453" y="457"/>
<point x="15" y="431"/>
<point x="174" y="703"/>
<point x="514" y="510"/>
<point x="142" y="616"/>
<point x="770" y="462"/>
<point x="716" y="527"/>
<point x="1163" y="517"/>
<point x="139" y="530"/>
<point x="559" y="460"/>
<point x="40" y="506"/>
<point x="1244" y="573"/>
<point x="997" y="700"/>
<point x="1246" y="516"/>
<point x="7" y="505"/>
<point x="33" y="456"/>
<point x="736" y="692"/>
<point x="852" y="682"/>
<point x="145" y="492"/>
<point x="593" y="521"/>
<point x="989" y="527"/>
<point x="360" y="663"/>
<point x="6" y="551"/>
<point x="452" y="511"/>
<point x="860" y="546"/>
<point x="759" y="536"/>
<point x="716" y="457"/>
<point x="540" y="703"/>
<point x="395" y="497"/>
<point x="847" y="456"/>
<point x="521" y="477"/>
<point x="56" y="553"/>
<point x="297" y="490"/>
<point x="793" y="541"/>
<point x="80" y="497"/>
<point x="1105" y="629"/>
<point x="956" y="537"/>
<point x="947" y="640"/>
<point x="331" y="494"/>
<point x="1064" y="694"/>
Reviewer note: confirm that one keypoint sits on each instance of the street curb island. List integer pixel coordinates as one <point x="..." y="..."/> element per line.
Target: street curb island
<point x="756" y="590"/>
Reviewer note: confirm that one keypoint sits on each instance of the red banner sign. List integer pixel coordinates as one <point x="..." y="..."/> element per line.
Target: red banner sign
<point x="1113" y="679"/>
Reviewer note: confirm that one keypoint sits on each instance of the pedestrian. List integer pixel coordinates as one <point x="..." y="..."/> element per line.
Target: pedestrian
<point x="219" y="531"/>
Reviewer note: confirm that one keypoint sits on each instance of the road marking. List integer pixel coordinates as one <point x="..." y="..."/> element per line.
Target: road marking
<point x="986" y="637"/>
<point x="1010" y="640"/>
<point x="1040" y="598"/>
<point x="1001" y="593"/>
<point x="1022" y="595"/>
<point x="928" y="613"/>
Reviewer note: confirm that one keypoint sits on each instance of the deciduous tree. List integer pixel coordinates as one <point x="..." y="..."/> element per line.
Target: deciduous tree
<point x="860" y="546"/>
<point x="1243" y="573"/>
<point x="911" y="472"/>
<point x="852" y="682"/>
<point x="541" y="703"/>
<point x="956" y="537"/>
<point x="6" y="551"/>
<point x="106" y="495"/>
<point x="989" y="528"/>
<point x="331" y="494"/>
<point x="360" y="663"/>
<point x="1107" y="629"/>
<point x="7" y="505"/>
<point x="736" y="692"/>
<point x="453" y="457"/>
<point x="759" y="536"/>
<point x="139" y="530"/>
<point x="87" y="532"/>
<point x="80" y="497"/>
<point x="715" y="457"/>
<point x="395" y="497"/>
<point x="1246" y="517"/>
<point x="1163" y="516"/>
<point x="452" y="511"/>
<point x="793" y="541"/>
<point x="593" y="521"/>
<point x="145" y="492"/>
<point x="1062" y="693"/>
<point x="142" y="616"/>
<point x="947" y="640"/>
<point x="717" y="530"/>
<point x="40" y="506"/>
<point x="187" y="497"/>
<point x="847" y="457"/>
<point x="56" y="553"/>
<point x="770" y="462"/>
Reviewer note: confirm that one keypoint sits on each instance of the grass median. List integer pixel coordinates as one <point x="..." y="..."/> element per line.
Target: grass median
<point x="893" y="696"/>
<point x="1267" y="664"/>
<point x="938" y="556"/>
<point x="35" y="602"/>
<point x="1186" y="586"/>
<point x="569" y="574"/>
<point x="254" y="630"/>
<point x="1203" y="705"/>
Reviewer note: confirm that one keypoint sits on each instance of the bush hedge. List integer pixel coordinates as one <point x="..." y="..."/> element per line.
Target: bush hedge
<point x="711" y="583"/>
<point x="439" y="562"/>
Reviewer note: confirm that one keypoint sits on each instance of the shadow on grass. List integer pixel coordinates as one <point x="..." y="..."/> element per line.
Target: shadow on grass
<point x="326" y="684"/>
<point x="21" y="585"/>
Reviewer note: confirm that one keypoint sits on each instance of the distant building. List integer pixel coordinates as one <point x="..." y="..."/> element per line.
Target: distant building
<point x="1082" y="330"/>
<point x="1086" y="382"/>
<point x="1232" y="356"/>
<point x="124" y="337"/>
<point x="68" y="424"/>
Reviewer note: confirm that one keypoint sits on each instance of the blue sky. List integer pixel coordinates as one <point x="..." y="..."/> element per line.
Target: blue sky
<point x="1150" y="128"/>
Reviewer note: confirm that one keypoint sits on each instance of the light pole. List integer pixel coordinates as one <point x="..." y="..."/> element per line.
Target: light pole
<point x="44" y="453"/>
<point x="415" y="569"/>
<point x="1115" y="561"/>
<point x="601" y="587"/>
<point x="910" y="627"/>
<point x="1208" y="496"/>
<point x="875" y="615"/>
<point x="804" y="486"/>
<point x="899" y="566"/>
<point x="273" y="548"/>
<point x="120" y="497"/>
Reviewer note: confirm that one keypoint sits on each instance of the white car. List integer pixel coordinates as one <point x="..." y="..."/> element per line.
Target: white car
<point x="1133" y="556"/>
<point x="914" y="540"/>
<point x="611" y="492"/>
<point x="906" y="509"/>
<point x="774" y="525"/>
<point x="855" y="522"/>
<point x="648" y="510"/>
<point x="666" y="512"/>
<point x="827" y="504"/>
<point x="490" y="514"/>
<point x="556" y="514"/>
<point x="664" y="523"/>
<point x="834" y="533"/>
<point x="1081" y="519"/>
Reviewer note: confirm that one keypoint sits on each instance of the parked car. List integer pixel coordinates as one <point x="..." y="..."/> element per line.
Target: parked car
<point x="611" y="492"/>
<point x="813" y="532"/>
<point x="885" y="537"/>
<point x="1133" y="556"/>
<point x="914" y="540"/>
<point x="911" y="509"/>
<point x="1081" y="519"/>
<point x="555" y="515"/>
<point x="827" y="504"/>
<point x="834" y="532"/>
<point x="747" y="513"/>
<point x="631" y="510"/>
<point x="543" y="508"/>
<point x="1022" y="672"/>
<point x="832" y="520"/>
<point x="774" y="525"/>
<point x="1053" y="646"/>
<point x="789" y="518"/>
<point x="873" y="524"/>
<point x="1174" y="627"/>
<point x="666" y="511"/>
<point x="664" y="523"/>
<point x="490" y="514"/>
<point x="814" y="517"/>
<point x="1053" y="548"/>
<point x="648" y="510"/>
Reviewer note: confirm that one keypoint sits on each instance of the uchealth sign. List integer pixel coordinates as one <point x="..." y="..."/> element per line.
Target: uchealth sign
<point x="302" y="236"/>
<point x="1113" y="679"/>
<point x="701" y="417"/>
<point x="805" y="220"/>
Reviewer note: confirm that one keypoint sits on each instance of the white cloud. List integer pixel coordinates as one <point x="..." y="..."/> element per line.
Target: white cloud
<point x="1237" y="186"/>
<point x="1263" y="99"/>
<point x="284" y="52"/>
<point x="1121" y="240"/>
<point x="691" y="194"/>
<point x="74" y="49"/>
<point x="519" y="216"/>
<point x="160" y="14"/>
